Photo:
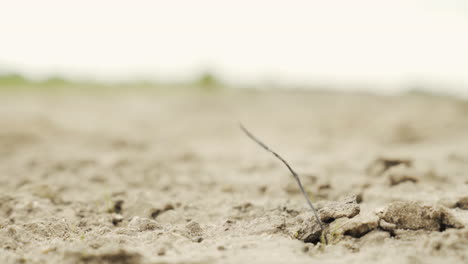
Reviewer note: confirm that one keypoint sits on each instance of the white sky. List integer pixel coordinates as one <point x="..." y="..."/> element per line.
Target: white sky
<point x="388" y="43"/>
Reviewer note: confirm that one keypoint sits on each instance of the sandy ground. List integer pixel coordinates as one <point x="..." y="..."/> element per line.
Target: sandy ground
<point x="172" y="179"/>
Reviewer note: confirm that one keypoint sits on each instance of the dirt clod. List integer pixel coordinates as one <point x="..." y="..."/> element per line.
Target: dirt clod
<point x="194" y="229"/>
<point x="401" y="173"/>
<point x="161" y="252"/>
<point x="221" y="248"/>
<point x="330" y="211"/>
<point x="117" y="208"/>
<point x="309" y="229"/>
<point x="244" y="207"/>
<point x="117" y="257"/>
<point x="463" y="203"/>
<point x="156" y="212"/>
<point x="415" y="215"/>
<point x="143" y="224"/>
<point x="381" y="165"/>
<point x="360" y="225"/>
<point x="116" y="219"/>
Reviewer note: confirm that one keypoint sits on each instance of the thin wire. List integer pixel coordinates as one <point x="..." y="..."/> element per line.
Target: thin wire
<point x="295" y="175"/>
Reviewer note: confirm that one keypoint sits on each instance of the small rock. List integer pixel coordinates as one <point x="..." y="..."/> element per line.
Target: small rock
<point x="361" y="225"/>
<point x="414" y="215"/>
<point x="120" y="256"/>
<point x="221" y="248"/>
<point x="116" y="219"/>
<point x="463" y="203"/>
<point x="143" y="224"/>
<point x="262" y="189"/>
<point x="387" y="226"/>
<point x="330" y="211"/>
<point x="381" y="165"/>
<point x="117" y="207"/>
<point x="194" y="229"/>
<point x="168" y="207"/>
<point x="156" y="212"/>
<point x="401" y="173"/>
<point x="309" y="229"/>
<point x="161" y="252"/>
<point x="244" y="207"/>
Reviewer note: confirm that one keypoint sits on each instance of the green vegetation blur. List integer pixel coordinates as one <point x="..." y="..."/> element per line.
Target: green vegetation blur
<point x="15" y="82"/>
<point x="207" y="82"/>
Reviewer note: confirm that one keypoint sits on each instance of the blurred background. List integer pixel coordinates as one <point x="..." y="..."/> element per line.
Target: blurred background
<point x="377" y="46"/>
<point x="120" y="139"/>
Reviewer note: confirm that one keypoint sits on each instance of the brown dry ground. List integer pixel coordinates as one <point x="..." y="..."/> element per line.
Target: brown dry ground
<point x="171" y="178"/>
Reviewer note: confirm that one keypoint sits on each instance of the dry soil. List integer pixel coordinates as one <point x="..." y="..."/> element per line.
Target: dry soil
<point x="172" y="179"/>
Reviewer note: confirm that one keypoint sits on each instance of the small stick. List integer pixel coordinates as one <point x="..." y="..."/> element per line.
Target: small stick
<point x="295" y="175"/>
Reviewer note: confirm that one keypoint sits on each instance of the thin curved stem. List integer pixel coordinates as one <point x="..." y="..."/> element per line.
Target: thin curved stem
<point x="295" y="175"/>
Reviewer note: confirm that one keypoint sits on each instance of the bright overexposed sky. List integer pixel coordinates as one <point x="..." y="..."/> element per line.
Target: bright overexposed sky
<point x="387" y="43"/>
